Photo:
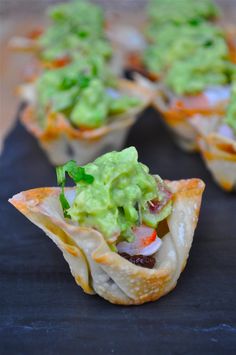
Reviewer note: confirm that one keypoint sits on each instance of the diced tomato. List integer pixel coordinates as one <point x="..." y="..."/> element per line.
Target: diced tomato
<point x="60" y="62"/>
<point x="149" y="239"/>
<point x="145" y="235"/>
<point x="212" y="97"/>
<point x="191" y="102"/>
<point x="36" y="33"/>
<point x="146" y="242"/>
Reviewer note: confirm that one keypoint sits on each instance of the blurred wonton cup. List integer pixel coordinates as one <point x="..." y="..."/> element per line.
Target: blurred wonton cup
<point x="99" y="270"/>
<point x="218" y="151"/>
<point x="63" y="142"/>
<point x="176" y="120"/>
<point x="177" y="114"/>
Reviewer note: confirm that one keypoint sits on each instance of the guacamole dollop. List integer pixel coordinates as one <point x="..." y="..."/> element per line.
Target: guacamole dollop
<point x="172" y="43"/>
<point x="181" y="11"/>
<point x="205" y="68"/>
<point x="77" y="25"/>
<point x="190" y="53"/>
<point x="117" y="198"/>
<point x="84" y="91"/>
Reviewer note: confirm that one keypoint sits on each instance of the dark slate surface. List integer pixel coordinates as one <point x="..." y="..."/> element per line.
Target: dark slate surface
<point x="44" y="312"/>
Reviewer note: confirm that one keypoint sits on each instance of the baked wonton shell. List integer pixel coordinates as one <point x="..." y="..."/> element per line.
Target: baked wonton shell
<point x="99" y="270"/>
<point x="178" y="120"/>
<point x="218" y="152"/>
<point x="62" y="142"/>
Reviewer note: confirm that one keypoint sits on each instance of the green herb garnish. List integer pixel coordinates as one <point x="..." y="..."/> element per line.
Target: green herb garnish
<point x="84" y="81"/>
<point x="208" y="43"/>
<point x="77" y="174"/>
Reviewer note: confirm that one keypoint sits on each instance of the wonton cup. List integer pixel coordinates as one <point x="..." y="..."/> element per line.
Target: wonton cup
<point x="62" y="142"/>
<point x="178" y="118"/>
<point x="218" y="152"/>
<point x="99" y="270"/>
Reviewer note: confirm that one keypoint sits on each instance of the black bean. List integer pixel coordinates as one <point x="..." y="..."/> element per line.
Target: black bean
<point x="140" y="260"/>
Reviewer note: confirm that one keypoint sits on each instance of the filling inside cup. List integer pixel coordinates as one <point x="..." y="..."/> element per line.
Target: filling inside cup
<point x="77" y="26"/>
<point x="84" y="91"/>
<point x="178" y="12"/>
<point x="223" y="125"/>
<point x="117" y="196"/>
<point x="189" y="53"/>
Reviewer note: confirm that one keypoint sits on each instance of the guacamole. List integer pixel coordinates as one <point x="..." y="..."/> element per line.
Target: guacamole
<point x="186" y="50"/>
<point x="205" y="68"/>
<point x="171" y="43"/>
<point x="77" y="25"/>
<point x="112" y="195"/>
<point x="84" y="91"/>
<point x="181" y="11"/>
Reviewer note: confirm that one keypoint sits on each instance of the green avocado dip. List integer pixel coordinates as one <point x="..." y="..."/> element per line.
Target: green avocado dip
<point x="84" y="91"/>
<point x="113" y="195"/>
<point x="77" y="25"/>
<point x="189" y="53"/>
<point x="181" y="11"/>
<point x="207" y="67"/>
<point x="173" y="43"/>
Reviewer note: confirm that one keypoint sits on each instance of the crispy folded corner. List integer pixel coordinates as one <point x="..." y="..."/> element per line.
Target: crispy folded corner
<point x="99" y="270"/>
<point x="63" y="142"/>
<point x="218" y="152"/>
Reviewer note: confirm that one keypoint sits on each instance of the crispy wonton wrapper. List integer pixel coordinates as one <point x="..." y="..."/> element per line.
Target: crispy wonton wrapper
<point x="218" y="152"/>
<point x="62" y="142"/>
<point x="99" y="270"/>
<point x="178" y="118"/>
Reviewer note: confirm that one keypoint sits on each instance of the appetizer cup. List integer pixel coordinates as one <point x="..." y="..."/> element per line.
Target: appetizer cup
<point x="71" y="26"/>
<point x="177" y="112"/>
<point x="117" y="274"/>
<point x="218" y="151"/>
<point x="189" y="61"/>
<point x="61" y="141"/>
<point x="75" y="27"/>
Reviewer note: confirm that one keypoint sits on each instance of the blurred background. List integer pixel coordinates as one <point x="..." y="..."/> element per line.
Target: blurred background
<point x="17" y="17"/>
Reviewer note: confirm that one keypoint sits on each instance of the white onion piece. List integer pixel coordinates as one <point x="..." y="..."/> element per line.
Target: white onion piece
<point x="226" y="131"/>
<point x="216" y="94"/>
<point x="152" y="248"/>
<point x="138" y="247"/>
<point x="113" y="93"/>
